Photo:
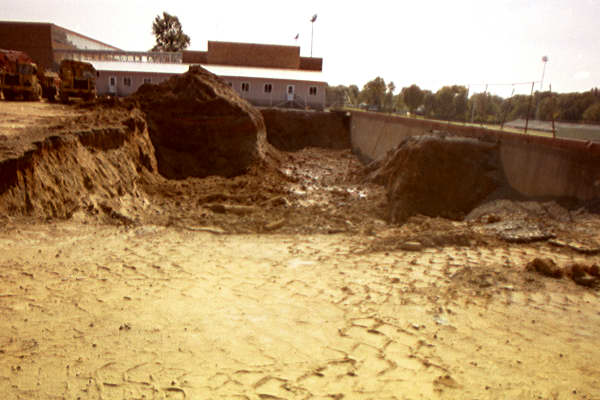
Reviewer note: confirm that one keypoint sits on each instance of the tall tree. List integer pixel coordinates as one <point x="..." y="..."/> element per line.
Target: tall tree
<point x="412" y="97"/>
<point x="546" y="109"/>
<point x="519" y="104"/>
<point x="451" y="102"/>
<point x="373" y="93"/>
<point x="428" y="103"/>
<point x="592" y="113"/>
<point x="353" y="95"/>
<point x="444" y="103"/>
<point x="336" y="96"/>
<point x="168" y="33"/>
<point x="461" y="102"/>
<point x="486" y="108"/>
<point x="389" y="103"/>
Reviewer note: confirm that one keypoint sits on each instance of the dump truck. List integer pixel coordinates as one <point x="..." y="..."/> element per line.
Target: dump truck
<point x="18" y="76"/>
<point x="77" y="79"/>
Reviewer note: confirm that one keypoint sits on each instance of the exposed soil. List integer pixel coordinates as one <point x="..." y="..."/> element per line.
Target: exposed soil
<point x="438" y="176"/>
<point x="284" y="282"/>
<point x="293" y="130"/>
<point x="200" y="127"/>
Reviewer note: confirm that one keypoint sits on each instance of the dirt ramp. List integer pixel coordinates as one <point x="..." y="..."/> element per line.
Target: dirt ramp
<point x="438" y="176"/>
<point x="200" y="127"/>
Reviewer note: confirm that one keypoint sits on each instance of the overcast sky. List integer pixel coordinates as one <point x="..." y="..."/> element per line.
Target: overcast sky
<point x="430" y="43"/>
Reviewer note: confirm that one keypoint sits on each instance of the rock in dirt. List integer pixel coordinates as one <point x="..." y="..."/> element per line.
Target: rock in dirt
<point x="512" y="232"/>
<point x="200" y="126"/>
<point x="588" y="249"/>
<point x="411" y="245"/>
<point x="584" y="275"/>
<point x="440" y="176"/>
<point x="546" y="267"/>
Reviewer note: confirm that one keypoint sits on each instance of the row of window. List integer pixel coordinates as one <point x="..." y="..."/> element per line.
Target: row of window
<point x="126" y="81"/>
<point x="245" y="87"/>
<point x="268" y="88"/>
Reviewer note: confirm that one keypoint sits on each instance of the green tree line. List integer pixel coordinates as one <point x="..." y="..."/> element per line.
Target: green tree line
<point x="455" y="103"/>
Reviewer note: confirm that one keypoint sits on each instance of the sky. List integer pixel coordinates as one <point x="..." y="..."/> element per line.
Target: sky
<point x="430" y="43"/>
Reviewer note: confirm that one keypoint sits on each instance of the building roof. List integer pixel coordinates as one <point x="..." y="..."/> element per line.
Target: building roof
<point x="25" y="24"/>
<point x="155" y="68"/>
<point x="84" y="37"/>
<point x="223" y="71"/>
<point x="265" y="73"/>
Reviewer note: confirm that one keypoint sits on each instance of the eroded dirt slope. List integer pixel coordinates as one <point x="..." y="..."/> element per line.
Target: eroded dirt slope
<point x="74" y="160"/>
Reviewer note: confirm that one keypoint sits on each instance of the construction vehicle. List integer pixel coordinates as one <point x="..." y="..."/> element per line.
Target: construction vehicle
<point x="19" y="76"/>
<point x="77" y="79"/>
<point x="50" y="84"/>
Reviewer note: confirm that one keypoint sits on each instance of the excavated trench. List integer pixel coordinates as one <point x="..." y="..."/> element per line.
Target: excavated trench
<point x="190" y="152"/>
<point x="88" y="307"/>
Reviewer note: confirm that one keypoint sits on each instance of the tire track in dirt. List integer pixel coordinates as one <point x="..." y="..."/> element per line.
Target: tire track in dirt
<point x="161" y="312"/>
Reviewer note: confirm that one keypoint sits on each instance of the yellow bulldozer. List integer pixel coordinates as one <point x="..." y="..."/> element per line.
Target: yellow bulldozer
<point x="77" y="79"/>
<point x="19" y="76"/>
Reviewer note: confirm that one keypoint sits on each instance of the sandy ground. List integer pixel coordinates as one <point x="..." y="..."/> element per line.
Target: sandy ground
<point x="103" y="312"/>
<point x="290" y="286"/>
<point x="16" y="116"/>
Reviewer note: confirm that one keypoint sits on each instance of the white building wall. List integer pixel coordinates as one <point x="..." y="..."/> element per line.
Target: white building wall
<point x="255" y="95"/>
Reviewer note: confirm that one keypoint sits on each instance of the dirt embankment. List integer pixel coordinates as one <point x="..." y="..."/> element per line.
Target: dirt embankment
<point x="111" y="158"/>
<point x="92" y="162"/>
<point x="292" y="130"/>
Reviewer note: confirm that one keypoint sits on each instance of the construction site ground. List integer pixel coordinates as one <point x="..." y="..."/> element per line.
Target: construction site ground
<point x="291" y="286"/>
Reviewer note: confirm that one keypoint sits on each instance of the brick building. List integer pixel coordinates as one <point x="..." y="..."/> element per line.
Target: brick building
<point x="43" y="41"/>
<point x="265" y="75"/>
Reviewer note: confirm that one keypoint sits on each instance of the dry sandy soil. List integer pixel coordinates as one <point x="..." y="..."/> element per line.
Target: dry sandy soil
<point x="305" y="293"/>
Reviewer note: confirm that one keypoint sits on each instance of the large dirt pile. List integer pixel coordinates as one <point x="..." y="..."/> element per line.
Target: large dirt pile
<point x="438" y="176"/>
<point x="200" y="127"/>
<point x="90" y="164"/>
<point x="292" y="130"/>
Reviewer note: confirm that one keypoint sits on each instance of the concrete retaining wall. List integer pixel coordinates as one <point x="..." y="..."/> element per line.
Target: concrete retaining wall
<point x="534" y="166"/>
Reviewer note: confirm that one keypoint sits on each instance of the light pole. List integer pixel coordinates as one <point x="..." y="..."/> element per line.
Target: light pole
<point x="544" y="60"/>
<point x="537" y="108"/>
<point x="312" y="29"/>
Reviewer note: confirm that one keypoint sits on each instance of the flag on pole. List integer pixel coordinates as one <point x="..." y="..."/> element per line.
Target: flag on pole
<point x="314" y="18"/>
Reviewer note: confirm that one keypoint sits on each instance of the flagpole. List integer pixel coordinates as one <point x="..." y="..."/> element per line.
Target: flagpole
<point x="312" y="29"/>
<point x="312" y="25"/>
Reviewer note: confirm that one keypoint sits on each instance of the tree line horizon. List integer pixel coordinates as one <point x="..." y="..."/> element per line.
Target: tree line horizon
<point x="453" y="103"/>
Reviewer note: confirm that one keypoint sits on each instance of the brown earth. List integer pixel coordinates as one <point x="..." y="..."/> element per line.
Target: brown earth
<point x="293" y="130"/>
<point x="83" y="160"/>
<point x="200" y="127"/>
<point x="284" y="282"/>
<point x="436" y="176"/>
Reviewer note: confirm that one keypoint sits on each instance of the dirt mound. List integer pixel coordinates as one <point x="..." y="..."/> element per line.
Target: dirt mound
<point x="438" y="176"/>
<point x="200" y="127"/>
<point x="292" y="130"/>
<point x="91" y="163"/>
